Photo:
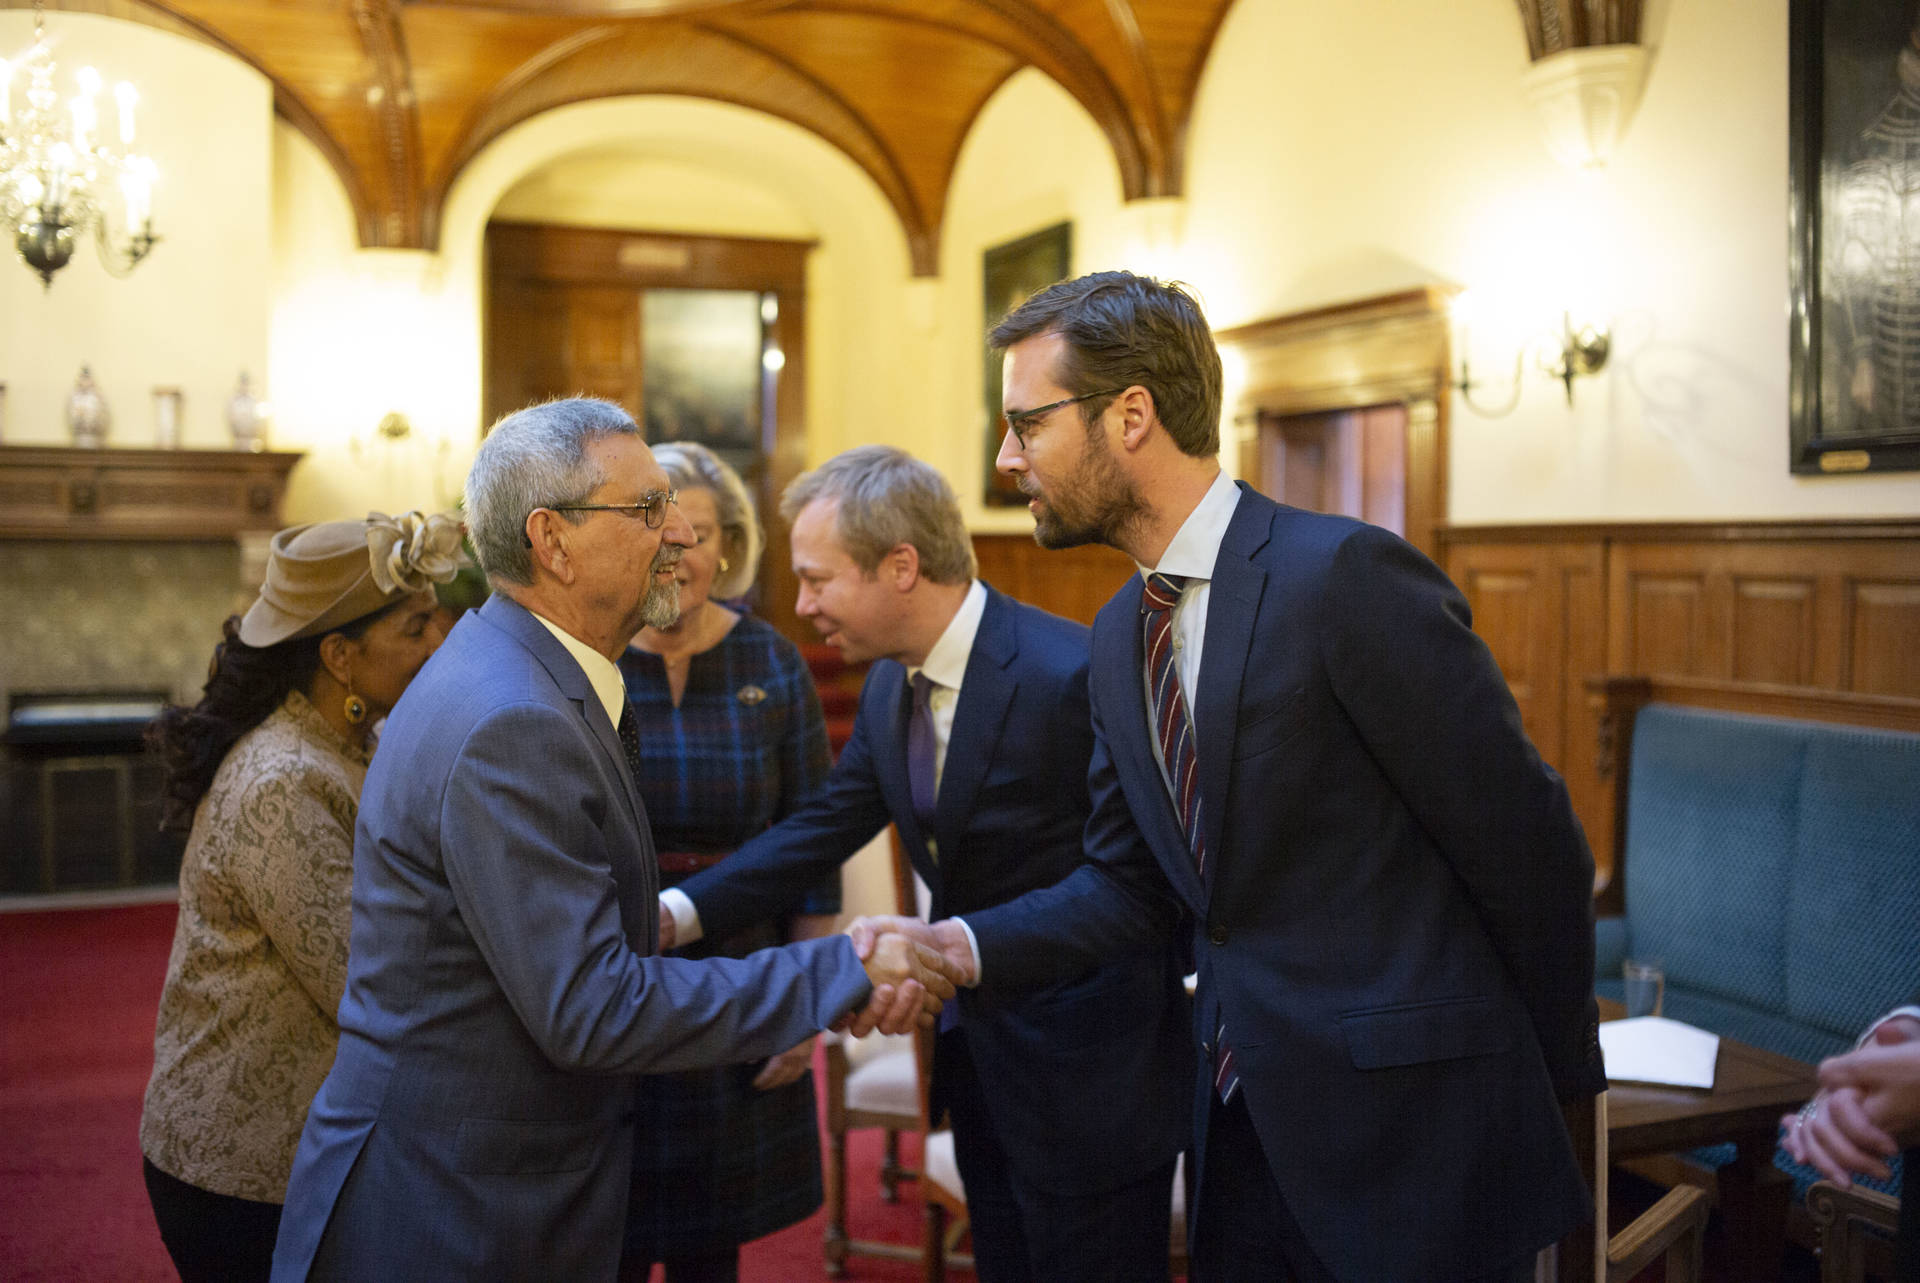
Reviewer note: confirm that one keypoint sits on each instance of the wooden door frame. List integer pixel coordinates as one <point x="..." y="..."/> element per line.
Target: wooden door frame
<point x="545" y="253"/>
<point x="1391" y="348"/>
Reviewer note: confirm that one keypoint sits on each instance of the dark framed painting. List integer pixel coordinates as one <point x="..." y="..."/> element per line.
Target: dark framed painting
<point x="1010" y="274"/>
<point x="1854" y="251"/>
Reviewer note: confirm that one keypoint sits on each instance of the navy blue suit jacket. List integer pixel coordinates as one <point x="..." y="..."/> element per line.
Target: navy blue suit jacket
<point x="477" y="1122"/>
<point x="1086" y="1076"/>
<point x="1395" y="923"/>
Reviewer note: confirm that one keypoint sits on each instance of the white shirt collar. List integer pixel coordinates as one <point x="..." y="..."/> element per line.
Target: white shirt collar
<point x="947" y="661"/>
<point x="1196" y="545"/>
<point x="602" y="673"/>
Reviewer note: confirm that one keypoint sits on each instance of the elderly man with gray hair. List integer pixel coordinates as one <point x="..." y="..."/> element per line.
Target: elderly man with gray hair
<point x="973" y="738"/>
<point x="499" y="995"/>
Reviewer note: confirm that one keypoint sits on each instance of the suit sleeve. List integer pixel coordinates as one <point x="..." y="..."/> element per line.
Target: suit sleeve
<point x="1435" y="712"/>
<point x="524" y="842"/>
<point x="776" y="870"/>
<point x="806" y="759"/>
<point x="1117" y="900"/>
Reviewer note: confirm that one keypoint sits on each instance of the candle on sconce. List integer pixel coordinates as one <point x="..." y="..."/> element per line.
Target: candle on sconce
<point x="86" y="116"/>
<point x="126" y="95"/>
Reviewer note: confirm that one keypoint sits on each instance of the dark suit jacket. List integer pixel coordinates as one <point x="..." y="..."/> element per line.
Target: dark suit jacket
<point x="1086" y="1076"/>
<point x="498" y="1001"/>
<point x="1396" y="921"/>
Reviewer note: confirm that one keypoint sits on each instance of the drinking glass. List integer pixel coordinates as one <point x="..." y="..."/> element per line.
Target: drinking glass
<point x="1646" y="986"/>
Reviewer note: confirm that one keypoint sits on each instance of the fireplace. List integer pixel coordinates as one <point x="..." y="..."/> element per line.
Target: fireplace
<point x="81" y="794"/>
<point x="117" y="567"/>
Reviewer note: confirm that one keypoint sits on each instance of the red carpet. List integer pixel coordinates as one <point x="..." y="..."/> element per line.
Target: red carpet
<point x="76" y="1045"/>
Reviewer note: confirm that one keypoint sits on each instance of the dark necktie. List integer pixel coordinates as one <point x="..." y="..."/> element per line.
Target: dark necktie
<point x="1170" y="721"/>
<point x="1175" y="732"/>
<point x="920" y="752"/>
<point x="630" y="741"/>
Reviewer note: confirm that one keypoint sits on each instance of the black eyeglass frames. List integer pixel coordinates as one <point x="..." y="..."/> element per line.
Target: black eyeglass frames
<point x="1018" y="421"/>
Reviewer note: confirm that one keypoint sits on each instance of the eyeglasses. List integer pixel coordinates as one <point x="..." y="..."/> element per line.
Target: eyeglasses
<point x="651" y="507"/>
<point x="1020" y="420"/>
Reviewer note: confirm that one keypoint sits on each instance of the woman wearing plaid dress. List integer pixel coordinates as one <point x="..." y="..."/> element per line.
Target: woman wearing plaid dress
<point x="731" y="740"/>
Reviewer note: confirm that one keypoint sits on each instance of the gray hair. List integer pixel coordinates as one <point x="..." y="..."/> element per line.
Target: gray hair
<point x="887" y="497"/>
<point x="691" y="466"/>
<point x="534" y="458"/>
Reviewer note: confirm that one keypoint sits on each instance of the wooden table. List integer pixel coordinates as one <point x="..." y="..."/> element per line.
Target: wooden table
<point x="1751" y="1089"/>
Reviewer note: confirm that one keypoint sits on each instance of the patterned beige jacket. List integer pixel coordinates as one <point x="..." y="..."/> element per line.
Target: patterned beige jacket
<point x="246" y="1028"/>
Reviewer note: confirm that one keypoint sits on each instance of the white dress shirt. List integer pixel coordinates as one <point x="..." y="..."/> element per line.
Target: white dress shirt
<point x="602" y="673"/>
<point x="946" y="665"/>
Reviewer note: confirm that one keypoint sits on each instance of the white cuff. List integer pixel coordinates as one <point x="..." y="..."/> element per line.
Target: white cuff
<point x="1895" y="1013"/>
<point x="974" y="945"/>
<point x="686" y="918"/>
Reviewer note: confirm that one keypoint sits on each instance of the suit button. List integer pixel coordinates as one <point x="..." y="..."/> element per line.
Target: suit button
<point x="1216" y="935"/>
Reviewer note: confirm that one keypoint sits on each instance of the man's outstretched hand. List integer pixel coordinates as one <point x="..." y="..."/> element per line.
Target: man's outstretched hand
<point x="910" y="981"/>
<point x="947" y="937"/>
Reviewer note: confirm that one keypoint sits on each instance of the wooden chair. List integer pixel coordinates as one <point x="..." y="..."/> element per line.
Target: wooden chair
<point x="1847" y="1219"/>
<point x="1674" y="1228"/>
<point x="877" y="1081"/>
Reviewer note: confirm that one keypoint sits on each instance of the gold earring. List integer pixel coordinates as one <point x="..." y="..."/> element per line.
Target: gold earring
<point x="725" y="565"/>
<point x="356" y="709"/>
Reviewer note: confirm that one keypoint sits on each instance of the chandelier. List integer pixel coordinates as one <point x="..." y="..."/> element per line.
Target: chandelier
<point x="60" y="177"/>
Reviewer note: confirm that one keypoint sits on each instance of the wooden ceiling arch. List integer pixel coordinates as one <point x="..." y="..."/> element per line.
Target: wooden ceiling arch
<point x="400" y="95"/>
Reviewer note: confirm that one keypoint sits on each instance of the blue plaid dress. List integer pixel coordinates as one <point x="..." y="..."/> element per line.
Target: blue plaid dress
<point x="717" y="1163"/>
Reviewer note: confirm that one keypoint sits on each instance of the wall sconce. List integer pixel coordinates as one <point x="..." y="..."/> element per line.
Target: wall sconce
<point x="1564" y="356"/>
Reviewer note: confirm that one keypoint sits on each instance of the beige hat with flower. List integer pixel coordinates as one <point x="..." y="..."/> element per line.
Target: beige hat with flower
<point x="322" y="576"/>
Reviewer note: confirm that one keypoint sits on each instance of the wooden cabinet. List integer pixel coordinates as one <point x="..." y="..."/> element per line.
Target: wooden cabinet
<point x="51" y="492"/>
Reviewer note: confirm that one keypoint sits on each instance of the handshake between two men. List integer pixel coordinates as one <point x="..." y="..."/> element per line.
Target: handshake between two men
<point x="914" y="966"/>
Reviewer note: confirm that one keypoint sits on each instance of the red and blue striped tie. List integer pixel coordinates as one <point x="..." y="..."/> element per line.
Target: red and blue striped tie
<point x="1175" y="731"/>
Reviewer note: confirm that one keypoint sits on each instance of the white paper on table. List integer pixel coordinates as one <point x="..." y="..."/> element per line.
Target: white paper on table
<point x="1652" y="1049"/>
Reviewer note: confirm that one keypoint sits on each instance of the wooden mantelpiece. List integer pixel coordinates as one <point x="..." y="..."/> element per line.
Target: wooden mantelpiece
<point x="54" y="492"/>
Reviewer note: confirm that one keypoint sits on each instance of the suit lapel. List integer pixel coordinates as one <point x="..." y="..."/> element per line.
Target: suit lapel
<point x="517" y="621"/>
<point x="986" y="694"/>
<point x="1119" y="672"/>
<point x="1233" y="602"/>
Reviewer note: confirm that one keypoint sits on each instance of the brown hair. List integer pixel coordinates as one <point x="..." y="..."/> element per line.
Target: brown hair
<point x="1120" y="330"/>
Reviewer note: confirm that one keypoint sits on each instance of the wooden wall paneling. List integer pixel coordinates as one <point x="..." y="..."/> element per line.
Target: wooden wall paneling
<point x="1074" y="582"/>
<point x="1837" y="612"/>
<point x="1661" y="622"/>
<point x="1884" y="640"/>
<point x="1772" y="631"/>
<point x="1540" y="607"/>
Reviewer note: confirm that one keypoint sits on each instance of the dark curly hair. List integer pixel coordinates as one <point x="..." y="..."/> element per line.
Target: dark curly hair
<point x="244" y="684"/>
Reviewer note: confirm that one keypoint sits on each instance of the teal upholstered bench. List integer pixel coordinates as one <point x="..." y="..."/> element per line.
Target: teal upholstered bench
<point x="1771" y="864"/>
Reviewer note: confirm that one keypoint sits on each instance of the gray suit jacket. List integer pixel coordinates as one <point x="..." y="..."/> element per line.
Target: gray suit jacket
<point x="499" y="994"/>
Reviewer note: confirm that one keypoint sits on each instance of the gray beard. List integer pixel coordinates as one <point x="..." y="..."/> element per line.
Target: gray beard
<point x="660" y="608"/>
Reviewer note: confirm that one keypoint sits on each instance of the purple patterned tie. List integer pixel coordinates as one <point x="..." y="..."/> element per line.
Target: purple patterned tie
<point x="920" y="752"/>
<point x="1175" y="731"/>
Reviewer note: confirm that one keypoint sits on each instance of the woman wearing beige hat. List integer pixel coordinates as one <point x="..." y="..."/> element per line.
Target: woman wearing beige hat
<point x="265" y="774"/>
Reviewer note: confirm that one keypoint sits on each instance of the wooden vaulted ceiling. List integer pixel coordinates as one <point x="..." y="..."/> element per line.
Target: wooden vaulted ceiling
<point x="400" y="94"/>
